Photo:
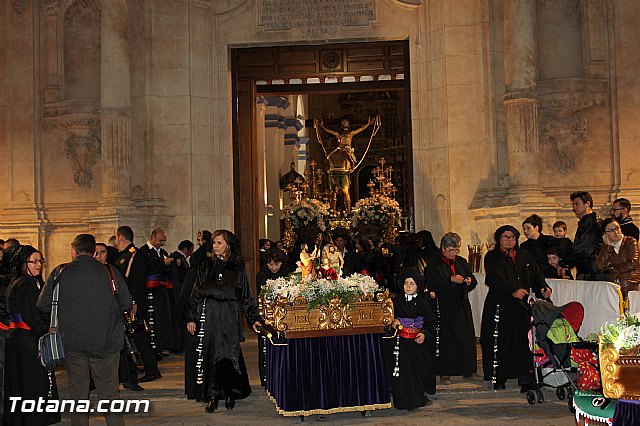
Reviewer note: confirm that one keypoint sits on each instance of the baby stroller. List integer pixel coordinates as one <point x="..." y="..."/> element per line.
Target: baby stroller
<point x="553" y="330"/>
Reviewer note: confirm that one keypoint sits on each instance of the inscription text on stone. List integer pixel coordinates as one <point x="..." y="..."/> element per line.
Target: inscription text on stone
<point x="314" y="16"/>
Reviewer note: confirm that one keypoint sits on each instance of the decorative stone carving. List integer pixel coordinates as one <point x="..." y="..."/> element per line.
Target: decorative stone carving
<point x="50" y="7"/>
<point x="18" y="7"/>
<point x="83" y="151"/>
<point x="559" y="132"/>
<point x="331" y="60"/>
<point x="571" y="95"/>
<point x="71" y="122"/>
<point x="574" y="101"/>
<point x="138" y="192"/>
<point x="83" y="11"/>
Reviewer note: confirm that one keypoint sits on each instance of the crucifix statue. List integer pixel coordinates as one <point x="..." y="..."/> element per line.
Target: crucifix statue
<point x="342" y="160"/>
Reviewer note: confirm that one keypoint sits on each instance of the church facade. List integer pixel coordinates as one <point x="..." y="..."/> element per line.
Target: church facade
<point x="125" y="112"/>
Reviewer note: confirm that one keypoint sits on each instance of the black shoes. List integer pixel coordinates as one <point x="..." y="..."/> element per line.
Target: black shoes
<point x="212" y="406"/>
<point x="150" y="377"/>
<point x="229" y="403"/>
<point x="133" y="386"/>
<point x="499" y="385"/>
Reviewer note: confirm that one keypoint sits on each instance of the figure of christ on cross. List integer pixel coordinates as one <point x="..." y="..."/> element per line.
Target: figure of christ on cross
<point x="342" y="161"/>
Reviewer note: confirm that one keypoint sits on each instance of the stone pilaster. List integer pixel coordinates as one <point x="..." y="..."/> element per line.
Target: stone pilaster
<point x="51" y="53"/>
<point x="116" y="157"/>
<point x="115" y="98"/>
<point x="521" y="99"/>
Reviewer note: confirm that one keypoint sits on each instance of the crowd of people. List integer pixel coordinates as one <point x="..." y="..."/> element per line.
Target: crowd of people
<point x="515" y="274"/>
<point x="123" y="308"/>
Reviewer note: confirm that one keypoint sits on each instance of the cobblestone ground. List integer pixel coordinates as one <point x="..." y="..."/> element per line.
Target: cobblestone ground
<point x="461" y="403"/>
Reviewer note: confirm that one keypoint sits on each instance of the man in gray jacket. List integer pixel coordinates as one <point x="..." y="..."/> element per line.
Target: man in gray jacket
<point x="90" y="324"/>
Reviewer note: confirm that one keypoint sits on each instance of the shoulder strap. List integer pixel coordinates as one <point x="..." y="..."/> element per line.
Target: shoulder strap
<point x="126" y="274"/>
<point x="112" y="278"/>
<point x="53" y="322"/>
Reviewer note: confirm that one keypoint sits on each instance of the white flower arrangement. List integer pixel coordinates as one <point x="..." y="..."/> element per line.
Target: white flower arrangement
<point x="307" y="211"/>
<point x="375" y="211"/>
<point x="319" y="292"/>
<point x="623" y="334"/>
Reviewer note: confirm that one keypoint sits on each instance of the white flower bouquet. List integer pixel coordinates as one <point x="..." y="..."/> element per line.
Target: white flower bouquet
<point x="623" y="334"/>
<point x="306" y="212"/>
<point x="375" y="211"/>
<point x="318" y="292"/>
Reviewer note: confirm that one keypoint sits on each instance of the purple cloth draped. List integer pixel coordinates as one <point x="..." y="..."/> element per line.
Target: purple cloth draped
<point x="322" y="373"/>
<point x="627" y="412"/>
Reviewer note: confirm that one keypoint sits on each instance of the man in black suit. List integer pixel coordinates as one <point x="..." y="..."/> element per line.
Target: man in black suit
<point x="132" y="268"/>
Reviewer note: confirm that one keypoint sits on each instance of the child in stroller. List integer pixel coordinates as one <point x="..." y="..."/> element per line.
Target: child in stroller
<point x="553" y="330"/>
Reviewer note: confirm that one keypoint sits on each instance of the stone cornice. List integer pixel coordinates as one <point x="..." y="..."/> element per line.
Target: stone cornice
<point x="572" y="94"/>
<point x="56" y="109"/>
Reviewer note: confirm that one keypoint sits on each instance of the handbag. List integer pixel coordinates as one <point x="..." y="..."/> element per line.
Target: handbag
<point x="50" y="350"/>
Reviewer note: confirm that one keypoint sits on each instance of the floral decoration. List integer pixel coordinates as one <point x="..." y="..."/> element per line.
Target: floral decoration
<point x="305" y="212"/>
<point x="623" y="334"/>
<point x="319" y="292"/>
<point x="375" y="211"/>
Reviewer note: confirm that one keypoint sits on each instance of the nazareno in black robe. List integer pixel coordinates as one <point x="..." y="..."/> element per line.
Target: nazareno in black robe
<point x="262" y="277"/>
<point x="415" y="362"/>
<point x="219" y="292"/>
<point x="456" y="340"/>
<point x="506" y="320"/>
<point x="24" y="375"/>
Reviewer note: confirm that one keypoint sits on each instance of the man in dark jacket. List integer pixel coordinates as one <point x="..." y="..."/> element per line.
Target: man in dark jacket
<point x="620" y="212"/>
<point x="132" y="269"/>
<point x="90" y="305"/>
<point x="588" y="239"/>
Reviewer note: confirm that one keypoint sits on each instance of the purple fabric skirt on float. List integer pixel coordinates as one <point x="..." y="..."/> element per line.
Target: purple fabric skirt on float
<point x="324" y="375"/>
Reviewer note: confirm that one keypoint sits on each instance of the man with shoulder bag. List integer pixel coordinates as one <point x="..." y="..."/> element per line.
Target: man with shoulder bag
<point x="90" y="302"/>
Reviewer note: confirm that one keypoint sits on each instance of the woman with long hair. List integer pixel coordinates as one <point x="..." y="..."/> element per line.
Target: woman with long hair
<point x="25" y="376"/>
<point x="214" y="318"/>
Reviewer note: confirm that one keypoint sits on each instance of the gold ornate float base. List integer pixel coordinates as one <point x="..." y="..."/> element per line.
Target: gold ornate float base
<point x="620" y="372"/>
<point x="296" y="321"/>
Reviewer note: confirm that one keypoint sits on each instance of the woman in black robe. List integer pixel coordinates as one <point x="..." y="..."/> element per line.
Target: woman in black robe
<point x="275" y="267"/>
<point x="512" y="274"/>
<point x="214" y="317"/>
<point x="411" y="361"/>
<point x="25" y="376"/>
<point x="450" y="277"/>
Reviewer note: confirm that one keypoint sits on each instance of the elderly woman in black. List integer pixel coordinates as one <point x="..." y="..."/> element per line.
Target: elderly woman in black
<point x="449" y="277"/>
<point x="25" y="376"/>
<point x="512" y="275"/>
<point x="214" y="317"/>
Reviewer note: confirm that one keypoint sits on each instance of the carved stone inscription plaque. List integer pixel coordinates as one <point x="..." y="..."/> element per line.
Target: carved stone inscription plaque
<point x="314" y="16"/>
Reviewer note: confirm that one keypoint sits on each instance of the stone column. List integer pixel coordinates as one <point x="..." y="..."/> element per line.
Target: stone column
<point x="520" y="98"/>
<point x="115" y="99"/>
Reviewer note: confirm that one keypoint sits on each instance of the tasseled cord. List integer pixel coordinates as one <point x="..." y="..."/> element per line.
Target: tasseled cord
<point x="152" y="322"/>
<point x="396" y="353"/>
<point x="495" y="345"/>
<point x="199" y="349"/>
<point x="437" y="328"/>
